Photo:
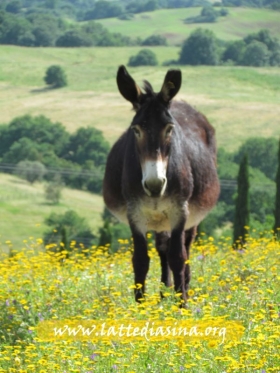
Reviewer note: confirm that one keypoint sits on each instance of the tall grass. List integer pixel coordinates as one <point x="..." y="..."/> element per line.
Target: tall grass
<point x="241" y="285"/>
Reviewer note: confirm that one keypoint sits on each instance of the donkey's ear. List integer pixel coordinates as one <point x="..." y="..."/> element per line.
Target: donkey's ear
<point x="171" y="85"/>
<point x="127" y="87"/>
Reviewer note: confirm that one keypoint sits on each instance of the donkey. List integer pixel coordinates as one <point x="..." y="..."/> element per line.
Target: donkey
<point x="161" y="176"/>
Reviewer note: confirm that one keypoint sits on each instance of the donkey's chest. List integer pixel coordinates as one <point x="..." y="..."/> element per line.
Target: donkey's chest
<point x="153" y="214"/>
<point x="165" y="214"/>
<point x="159" y="215"/>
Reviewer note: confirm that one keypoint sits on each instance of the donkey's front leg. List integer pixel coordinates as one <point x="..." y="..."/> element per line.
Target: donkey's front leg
<point x="140" y="262"/>
<point x="177" y="257"/>
<point x="162" y="245"/>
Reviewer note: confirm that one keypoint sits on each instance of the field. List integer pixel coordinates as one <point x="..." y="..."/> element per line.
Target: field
<point x="40" y="283"/>
<point x="24" y="208"/>
<point x="170" y="23"/>
<point x="234" y="291"/>
<point x="240" y="102"/>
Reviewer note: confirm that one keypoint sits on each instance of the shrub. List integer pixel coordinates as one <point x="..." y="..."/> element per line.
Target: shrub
<point x="144" y="58"/>
<point x="53" y="190"/>
<point x="256" y="54"/>
<point x="155" y="40"/>
<point x="234" y="52"/>
<point x="55" y="76"/>
<point x="31" y="171"/>
<point x="201" y="48"/>
<point x="69" y="224"/>
<point x="74" y="38"/>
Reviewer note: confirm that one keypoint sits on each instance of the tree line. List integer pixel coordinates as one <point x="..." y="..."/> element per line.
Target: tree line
<point x="249" y="179"/>
<point x="124" y="9"/>
<point x="83" y="10"/>
<point x="243" y="202"/>
<point x="202" y="47"/>
<point x="37" y="149"/>
<point x="262" y="156"/>
<point x="78" y="158"/>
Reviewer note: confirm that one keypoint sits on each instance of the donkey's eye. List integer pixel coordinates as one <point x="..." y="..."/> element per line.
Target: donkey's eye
<point x="169" y="130"/>
<point x="136" y="131"/>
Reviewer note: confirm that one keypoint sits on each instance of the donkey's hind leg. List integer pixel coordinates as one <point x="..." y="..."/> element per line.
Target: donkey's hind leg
<point x="162" y="244"/>
<point x="189" y="238"/>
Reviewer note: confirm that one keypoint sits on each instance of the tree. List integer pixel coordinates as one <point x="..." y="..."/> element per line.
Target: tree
<point x="277" y="198"/>
<point x="14" y="6"/>
<point x="25" y="149"/>
<point x="31" y="171"/>
<point x="144" y="58"/>
<point x="208" y="14"/>
<point x="74" y="38"/>
<point x="234" y="52"/>
<point x="69" y="225"/>
<point x="105" y="234"/>
<point x="104" y="9"/>
<point x="263" y="36"/>
<point x="55" y="76"/>
<point x="256" y="54"/>
<point x="259" y="151"/>
<point x="53" y="190"/>
<point x="241" y="217"/>
<point x="88" y="144"/>
<point x="44" y="37"/>
<point x="154" y="40"/>
<point x="37" y="129"/>
<point x="200" y="48"/>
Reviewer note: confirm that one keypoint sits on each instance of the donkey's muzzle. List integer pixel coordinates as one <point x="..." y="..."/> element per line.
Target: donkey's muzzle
<point x="155" y="187"/>
<point x="154" y="177"/>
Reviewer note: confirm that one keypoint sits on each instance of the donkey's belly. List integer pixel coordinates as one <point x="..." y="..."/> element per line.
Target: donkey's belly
<point x="161" y="215"/>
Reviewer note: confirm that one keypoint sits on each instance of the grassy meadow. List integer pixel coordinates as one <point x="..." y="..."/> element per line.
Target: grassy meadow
<point x="24" y="208"/>
<point x="40" y="283"/>
<point x="241" y="286"/>
<point x="239" y="101"/>
<point x="170" y="23"/>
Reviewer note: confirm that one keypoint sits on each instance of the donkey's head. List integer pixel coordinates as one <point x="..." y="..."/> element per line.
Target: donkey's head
<point x="152" y="126"/>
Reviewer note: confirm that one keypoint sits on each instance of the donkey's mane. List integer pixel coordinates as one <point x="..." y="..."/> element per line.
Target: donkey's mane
<point x="148" y="88"/>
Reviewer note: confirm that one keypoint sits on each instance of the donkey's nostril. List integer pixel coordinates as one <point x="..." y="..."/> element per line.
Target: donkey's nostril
<point x="154" y="186"/>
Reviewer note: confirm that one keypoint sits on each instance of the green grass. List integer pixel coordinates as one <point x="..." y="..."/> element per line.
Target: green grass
<point x="239" y="101"/>
<point x="24" y="208"/>
<point x="238" y="286"/>
<point x="170" y="23"/>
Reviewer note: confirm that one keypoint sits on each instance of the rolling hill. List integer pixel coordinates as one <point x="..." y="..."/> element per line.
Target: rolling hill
<point x="170" y="23"/>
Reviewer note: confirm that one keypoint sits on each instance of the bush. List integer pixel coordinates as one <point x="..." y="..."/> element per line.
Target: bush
<point x="55" y="76"/>
<point x="144" y="58"/>
<point x="259" y="151"/>
<point x="234" y="52"/>
<point x="126" y="16"/>
<point x="201" y="48"/>
<point x="256" y="54"/>
<point x="69" y="225"/>
<point x="14" y="6"/>
<point x="155" y="40"/>
<point x="74" y="38"/>
<point x="31" y="171"/>
<point x="104" y="9"/>
<point x="53" y="190"/>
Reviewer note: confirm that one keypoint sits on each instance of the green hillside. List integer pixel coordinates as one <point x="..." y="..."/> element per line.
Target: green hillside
<point x="24" y="208"/>
<point x="170" y="23"/>
<point x="239" y="101"/>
